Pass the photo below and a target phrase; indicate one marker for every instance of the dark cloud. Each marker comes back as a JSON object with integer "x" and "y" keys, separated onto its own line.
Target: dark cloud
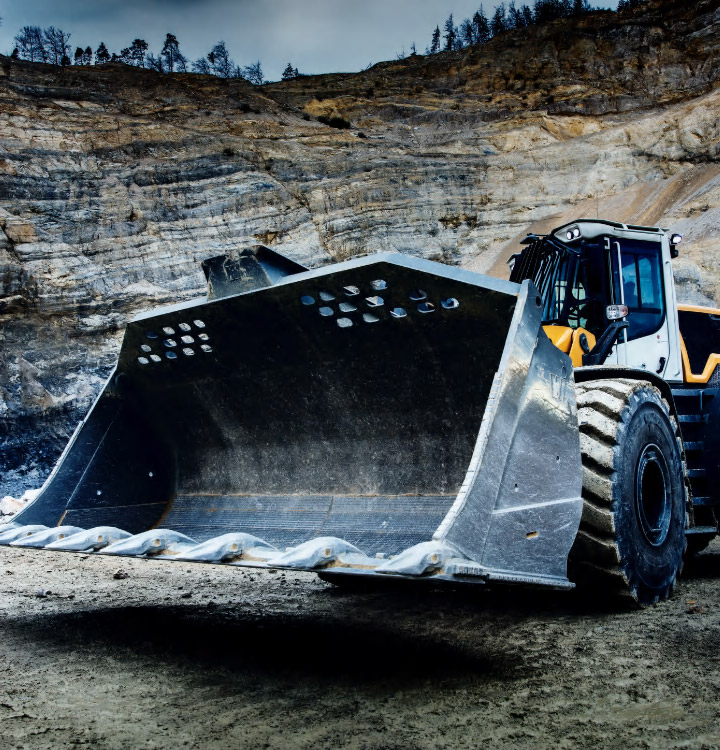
{"x": 317, "y": 36}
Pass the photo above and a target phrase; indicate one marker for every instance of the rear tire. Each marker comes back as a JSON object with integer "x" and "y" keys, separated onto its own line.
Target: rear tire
{"x": 632, "y": 534}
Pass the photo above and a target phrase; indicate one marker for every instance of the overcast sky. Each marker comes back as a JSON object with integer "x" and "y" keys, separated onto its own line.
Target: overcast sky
{"x": 316, "y": 36}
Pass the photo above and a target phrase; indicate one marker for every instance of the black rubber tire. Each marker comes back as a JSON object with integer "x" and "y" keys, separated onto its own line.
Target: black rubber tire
{"x": 632, "y": 534}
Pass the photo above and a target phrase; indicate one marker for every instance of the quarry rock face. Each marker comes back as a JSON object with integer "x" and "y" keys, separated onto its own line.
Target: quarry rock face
{"x": 115, "y": 182}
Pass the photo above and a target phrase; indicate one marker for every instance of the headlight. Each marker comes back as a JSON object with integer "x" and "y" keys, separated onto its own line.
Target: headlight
{"x": 675, "y": 239}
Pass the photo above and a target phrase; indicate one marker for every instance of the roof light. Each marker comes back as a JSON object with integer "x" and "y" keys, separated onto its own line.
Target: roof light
{"x": 573, "y": 233}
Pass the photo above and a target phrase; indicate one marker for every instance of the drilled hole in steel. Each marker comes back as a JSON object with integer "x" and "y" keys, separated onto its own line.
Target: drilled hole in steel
{"x": 206, "y": 347}
{"x": 326, "y": 296}
{"x": 188, "y": 352}
{"x": 344, "y": 322}
{"x": 155, "y": 358}
{"x": 203, "y": 336}
{"x": 146, "y": 348}
{"x": 326, "y": 312}
{"x": 184, "y": 327}
{"x": 151, "y": 334}
{"x": 375, "y": 301}
{"x": 170, "y": 343}
{"x": 351, "y": 291}
{"x": 450, "y": 303}
{"x": 169, "y": 331}
{"x": 378, "y": 285}
{"x": 143, "y": 360}
{"x": 171, "y": 355}
{"x": 307, "y": 300}
{"x": 418, "y": 295}
{"x": 426, "y": 307}
{"x": 369, "y": 318}
{"x": 199, "y": 324}
{"x": 398, "y": 312}
{"x": 346, "y": 307}
{"x": 187, "y": 339}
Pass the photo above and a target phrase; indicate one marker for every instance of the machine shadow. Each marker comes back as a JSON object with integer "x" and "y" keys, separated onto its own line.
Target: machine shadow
{"x": 305, "y": 647}
{"x": 703, "y": 565}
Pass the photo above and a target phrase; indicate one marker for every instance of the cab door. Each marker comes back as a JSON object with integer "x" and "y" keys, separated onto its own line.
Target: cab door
{"x": 636, "y": 268}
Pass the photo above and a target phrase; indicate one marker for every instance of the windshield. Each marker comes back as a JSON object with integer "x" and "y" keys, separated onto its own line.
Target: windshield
{"x": 570, "y": 282}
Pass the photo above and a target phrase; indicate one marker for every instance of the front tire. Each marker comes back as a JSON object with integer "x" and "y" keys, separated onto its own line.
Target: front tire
{"x": 632, "y": 534}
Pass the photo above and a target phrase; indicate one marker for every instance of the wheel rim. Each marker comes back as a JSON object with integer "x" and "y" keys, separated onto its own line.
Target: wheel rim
{"x": 653, "y": 502}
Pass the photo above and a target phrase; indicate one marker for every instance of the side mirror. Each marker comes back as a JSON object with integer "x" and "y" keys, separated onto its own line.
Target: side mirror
{"x": 616, "y": 312}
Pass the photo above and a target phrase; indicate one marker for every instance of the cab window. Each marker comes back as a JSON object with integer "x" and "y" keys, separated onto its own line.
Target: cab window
{"x": 641, "y": 289}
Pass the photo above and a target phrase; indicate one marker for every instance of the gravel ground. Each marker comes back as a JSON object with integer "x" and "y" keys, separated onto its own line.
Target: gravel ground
{"x": 177, "y": 654}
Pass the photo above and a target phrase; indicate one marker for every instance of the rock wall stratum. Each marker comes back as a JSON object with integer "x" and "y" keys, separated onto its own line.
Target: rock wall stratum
{"x": 116, "y": 182}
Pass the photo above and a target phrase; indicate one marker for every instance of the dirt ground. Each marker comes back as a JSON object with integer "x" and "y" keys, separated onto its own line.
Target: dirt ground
{"x": 187, "y": 655}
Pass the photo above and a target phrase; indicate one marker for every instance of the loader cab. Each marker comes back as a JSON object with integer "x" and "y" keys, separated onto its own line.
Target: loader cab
{"x": 607, "y": 293}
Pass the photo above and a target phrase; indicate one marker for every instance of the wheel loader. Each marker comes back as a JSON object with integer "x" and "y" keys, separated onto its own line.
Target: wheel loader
{"x": 393, "y": 418}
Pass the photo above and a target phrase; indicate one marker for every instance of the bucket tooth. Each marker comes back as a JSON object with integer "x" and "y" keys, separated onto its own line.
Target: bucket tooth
{"x": 151, "y": 543}
{"x": 46, "y": 536}
{"x": 421, "y": 559}
{"x": 92, "y": 539}
{"x": 315, "y": 553}
{"x": 227, "y": 548}
{"x": 9, "y": 536}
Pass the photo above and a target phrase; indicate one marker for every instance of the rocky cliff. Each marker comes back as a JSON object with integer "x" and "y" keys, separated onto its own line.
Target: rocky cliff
{"x": 116, "y": 182}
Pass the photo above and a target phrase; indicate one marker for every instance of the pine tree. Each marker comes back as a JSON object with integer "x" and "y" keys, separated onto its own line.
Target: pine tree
{"x": 467, "y": 33}
{"x": 79, "y": 54}
{"x": 547, "y": 10}
{"x": 499, "y": 21}
{"x": 153, "y": 62}
{"x": 450, "y": 33}
{"x": 515, "y": 17}
{"x": 202, "y": 66}
{"x": 253, "y": 73}
{"x": 102, "y": 55}
{"x": 87, "y": 55}
{"x": 288, "y": 73}
{"x": 136, "y": 52}
{"x": 171, "y": 55}
{"x": 220, "y": 62}
{"x": 482, "y": 27}
{"x": 435, "y": 43}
